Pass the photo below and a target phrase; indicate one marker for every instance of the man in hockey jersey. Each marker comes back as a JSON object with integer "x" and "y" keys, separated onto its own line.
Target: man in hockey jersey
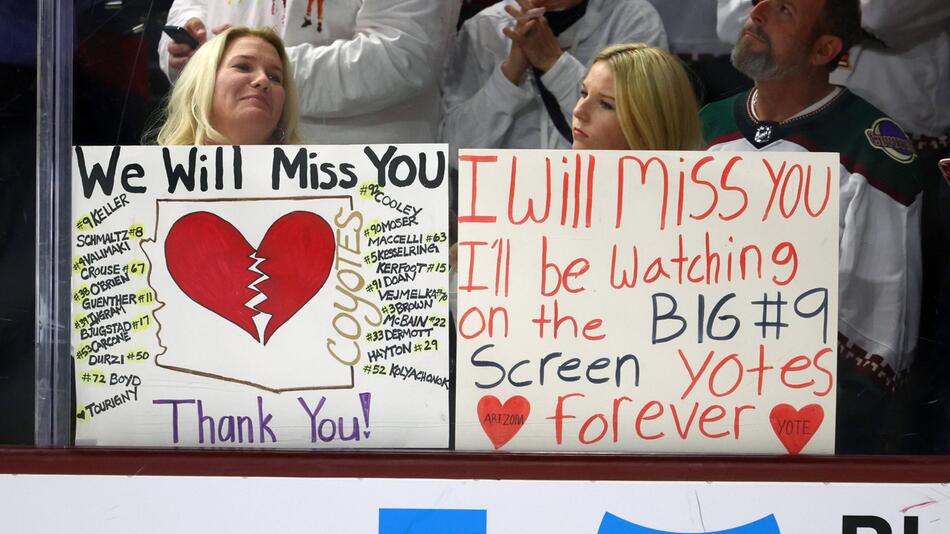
{"x": 788, "y": 48}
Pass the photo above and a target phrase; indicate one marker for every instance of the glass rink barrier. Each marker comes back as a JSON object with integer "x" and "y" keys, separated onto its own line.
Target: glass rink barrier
{"x": 467, "y": 261}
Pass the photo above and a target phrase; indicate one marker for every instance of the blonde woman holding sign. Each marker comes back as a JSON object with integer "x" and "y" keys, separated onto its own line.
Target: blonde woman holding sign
{"x": 236, "y": 89}
{"x": 636, "y": 97}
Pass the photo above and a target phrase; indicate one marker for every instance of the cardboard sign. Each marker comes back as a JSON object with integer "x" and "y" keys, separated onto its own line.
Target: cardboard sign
{"x": 261, "y": 296}
{"x": 649, "y": 302}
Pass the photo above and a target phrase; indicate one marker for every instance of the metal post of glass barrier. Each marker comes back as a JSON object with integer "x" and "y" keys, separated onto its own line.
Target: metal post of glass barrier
{"x": 54, "y": 137}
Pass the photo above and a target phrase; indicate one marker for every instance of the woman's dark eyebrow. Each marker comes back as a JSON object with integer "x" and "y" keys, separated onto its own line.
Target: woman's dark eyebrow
{"x": 275, "y": 66}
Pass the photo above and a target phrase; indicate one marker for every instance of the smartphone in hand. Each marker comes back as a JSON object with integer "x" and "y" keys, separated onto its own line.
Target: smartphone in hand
{"x": 181, "y": 36}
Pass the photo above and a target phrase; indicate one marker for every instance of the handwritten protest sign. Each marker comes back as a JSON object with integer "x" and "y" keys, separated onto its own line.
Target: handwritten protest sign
{"x": 261, "y": 296}
{"x": 653, "y": 302}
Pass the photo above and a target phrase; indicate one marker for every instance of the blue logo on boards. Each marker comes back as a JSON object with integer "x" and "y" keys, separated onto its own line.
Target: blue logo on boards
{"x": 612, "y": 524}
{"x": 435, "y": 521}
{"x": 431, "y": 521}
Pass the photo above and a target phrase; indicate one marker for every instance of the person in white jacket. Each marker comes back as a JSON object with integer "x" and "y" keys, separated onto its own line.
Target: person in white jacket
{"x": 367, "y": 70}
{"x": 484, "y": 108}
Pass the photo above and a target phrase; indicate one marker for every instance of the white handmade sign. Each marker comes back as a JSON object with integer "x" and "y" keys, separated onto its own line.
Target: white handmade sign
{"x": 652, "y": 302}
{"x": 261, "y": 296}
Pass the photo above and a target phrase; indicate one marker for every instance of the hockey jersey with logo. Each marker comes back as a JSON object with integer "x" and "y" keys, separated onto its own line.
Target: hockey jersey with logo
{"x": 879, "y": 219}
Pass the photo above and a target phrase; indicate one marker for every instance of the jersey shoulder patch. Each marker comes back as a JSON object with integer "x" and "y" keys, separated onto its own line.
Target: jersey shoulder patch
{"x": 870, "y": 143}
{"x": 888, "y": 137}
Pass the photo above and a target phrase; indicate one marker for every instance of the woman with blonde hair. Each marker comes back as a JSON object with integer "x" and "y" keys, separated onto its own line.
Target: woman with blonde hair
{"x": 236, "y": 89}
{"x": 637, "y": 97}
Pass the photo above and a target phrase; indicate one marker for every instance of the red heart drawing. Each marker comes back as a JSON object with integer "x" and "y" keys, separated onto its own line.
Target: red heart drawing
{"x": 795, "y": 428}
{"x": 502, "y": 421}
{"x": 210, "y": 261}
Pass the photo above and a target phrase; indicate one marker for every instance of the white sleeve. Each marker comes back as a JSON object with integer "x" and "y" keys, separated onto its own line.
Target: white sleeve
{"x": 178, "y": 15}
{"x": 564, "y": 79}
{"x": 730, "y": 16}
{"x": 478, "y": 101}
{"x": 643, "y": 26}
{"x": 900, "y": 23}
{"x": 879, "y": 274}
{"x": 396, "y": 50}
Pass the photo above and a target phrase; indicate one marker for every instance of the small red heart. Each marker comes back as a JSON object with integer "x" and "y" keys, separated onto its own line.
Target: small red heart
{"x": 795, "y": 428}
{"x": 502, "y": 421}
{"x": 210, "y": 261}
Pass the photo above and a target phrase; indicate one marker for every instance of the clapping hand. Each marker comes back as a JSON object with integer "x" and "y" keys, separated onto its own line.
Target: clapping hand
{"x": 532, "y": 36}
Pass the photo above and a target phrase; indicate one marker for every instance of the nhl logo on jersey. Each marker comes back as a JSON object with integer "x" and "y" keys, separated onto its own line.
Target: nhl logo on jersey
{"x": 887, "y": 136}
{"x": 763, "y": 134}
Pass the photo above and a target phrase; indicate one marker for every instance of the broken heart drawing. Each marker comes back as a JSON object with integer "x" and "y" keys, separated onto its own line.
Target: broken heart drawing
{"x": 215, "y": 266}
